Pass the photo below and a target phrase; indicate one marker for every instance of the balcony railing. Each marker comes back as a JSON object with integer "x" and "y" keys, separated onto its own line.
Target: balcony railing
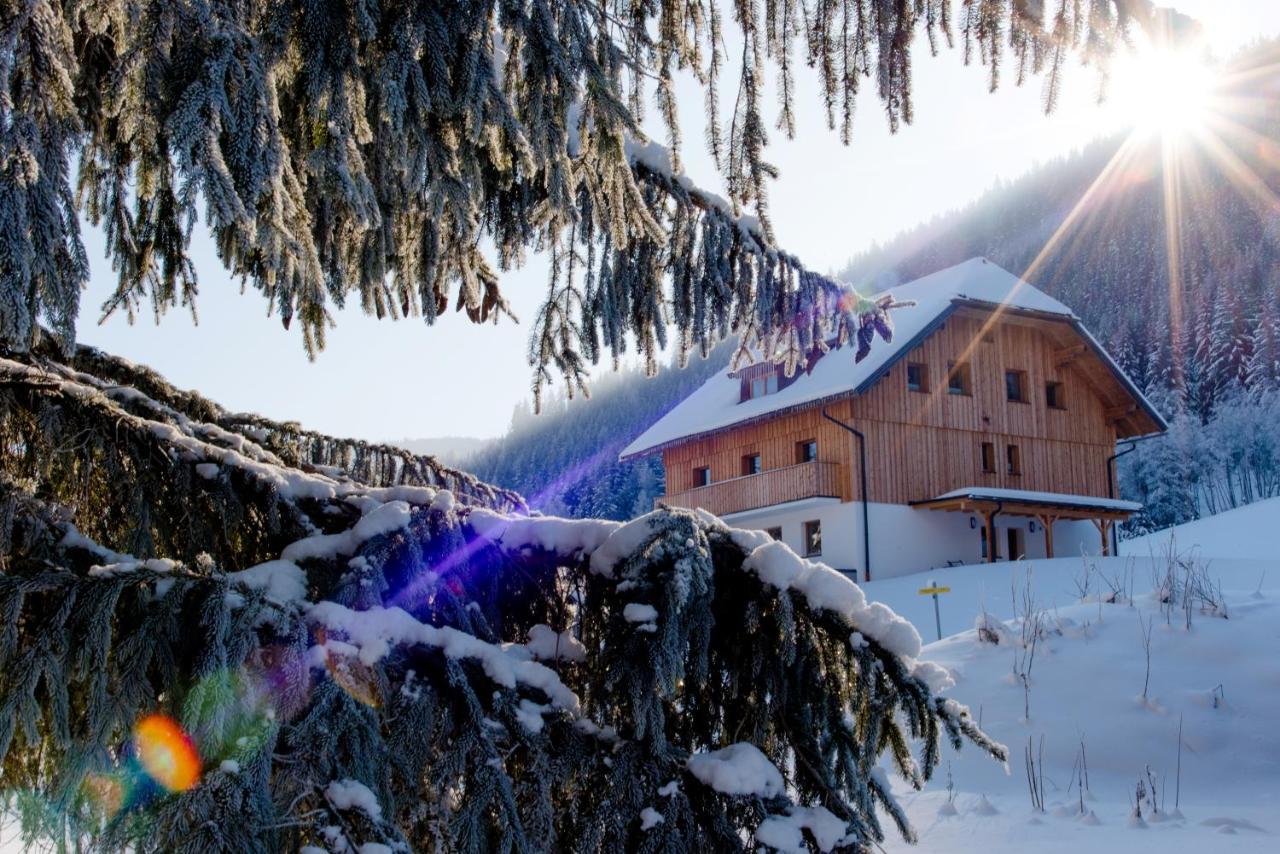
{"x": 775, "y": 486}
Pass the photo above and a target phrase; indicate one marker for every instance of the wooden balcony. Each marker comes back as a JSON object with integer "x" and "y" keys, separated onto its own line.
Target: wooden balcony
{"x": 775, "y": 486}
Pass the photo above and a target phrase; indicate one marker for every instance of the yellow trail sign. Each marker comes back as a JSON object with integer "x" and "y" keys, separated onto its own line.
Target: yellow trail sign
{"x": 933, "y": 590}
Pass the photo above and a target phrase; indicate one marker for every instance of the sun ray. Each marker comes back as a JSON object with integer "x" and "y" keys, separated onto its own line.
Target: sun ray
{"x": 1090, "y": 204}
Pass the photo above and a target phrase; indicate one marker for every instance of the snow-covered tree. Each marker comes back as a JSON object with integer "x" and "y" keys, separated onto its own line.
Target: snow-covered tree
{"x": 220, "y": 633}
{"x": 1262, "y": 373}
{"x": 367, "y": 150}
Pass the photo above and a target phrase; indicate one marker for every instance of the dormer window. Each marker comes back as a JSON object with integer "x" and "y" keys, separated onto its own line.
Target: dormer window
{"x": 760, "y": 386}
{"x": 757, "y": 381}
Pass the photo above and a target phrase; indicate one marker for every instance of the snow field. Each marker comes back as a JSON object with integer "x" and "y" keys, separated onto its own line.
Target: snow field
{"x": 1220, "y": 680}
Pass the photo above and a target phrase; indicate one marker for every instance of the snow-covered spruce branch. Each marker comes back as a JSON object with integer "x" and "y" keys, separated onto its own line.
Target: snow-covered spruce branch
{"x": 488, "y": 678}
{"x": 346, "y": 151}
{"x": 139, "y": 388}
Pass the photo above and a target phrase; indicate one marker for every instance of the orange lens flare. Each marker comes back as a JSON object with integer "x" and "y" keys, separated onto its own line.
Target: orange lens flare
{"x": 167, "y": 753}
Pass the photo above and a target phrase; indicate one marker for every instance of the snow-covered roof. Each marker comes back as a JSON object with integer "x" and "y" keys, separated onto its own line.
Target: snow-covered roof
{"x": 715, "y": 405}
{"x": 1027, "y": 496}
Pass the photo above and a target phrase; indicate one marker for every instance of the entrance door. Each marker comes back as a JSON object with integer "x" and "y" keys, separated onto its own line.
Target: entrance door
{"x": 1015, "y": 544}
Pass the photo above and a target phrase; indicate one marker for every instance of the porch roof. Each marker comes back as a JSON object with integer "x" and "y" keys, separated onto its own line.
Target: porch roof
{"x": 1022, "y": 502}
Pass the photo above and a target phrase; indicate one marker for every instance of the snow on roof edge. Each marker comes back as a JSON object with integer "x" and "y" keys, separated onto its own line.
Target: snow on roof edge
{"x": 1066, "y": 499}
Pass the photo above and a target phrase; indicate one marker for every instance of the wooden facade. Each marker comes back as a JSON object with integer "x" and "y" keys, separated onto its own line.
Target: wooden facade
{"x": 921, "y": 444}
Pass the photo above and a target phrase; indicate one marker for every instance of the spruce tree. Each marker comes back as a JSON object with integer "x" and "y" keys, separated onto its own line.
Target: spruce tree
{"x": 221, "y": 633}
{"x": 353, "y": 150}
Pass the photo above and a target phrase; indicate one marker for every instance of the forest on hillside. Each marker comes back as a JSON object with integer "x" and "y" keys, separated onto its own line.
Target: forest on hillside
{"x": 1198, "y": 329}
{"x": 565, "y": 459}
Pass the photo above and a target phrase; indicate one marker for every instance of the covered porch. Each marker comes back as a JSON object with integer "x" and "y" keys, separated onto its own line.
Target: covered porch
{"x": 1046, "y": 508}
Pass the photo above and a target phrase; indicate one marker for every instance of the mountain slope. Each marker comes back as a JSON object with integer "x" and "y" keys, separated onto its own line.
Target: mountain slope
{"x": 565, "y": 460}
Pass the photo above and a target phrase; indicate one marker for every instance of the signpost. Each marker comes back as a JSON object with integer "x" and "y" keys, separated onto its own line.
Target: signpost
{"x": 933, "y": 590}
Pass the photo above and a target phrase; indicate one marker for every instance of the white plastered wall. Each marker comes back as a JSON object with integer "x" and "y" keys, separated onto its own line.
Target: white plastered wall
{"x": 906, "y": 539}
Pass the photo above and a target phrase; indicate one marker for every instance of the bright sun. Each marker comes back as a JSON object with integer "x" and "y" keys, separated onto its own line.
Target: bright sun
{"x": 1163, "y": 91}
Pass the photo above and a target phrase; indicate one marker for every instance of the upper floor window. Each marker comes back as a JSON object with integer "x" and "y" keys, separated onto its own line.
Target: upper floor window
{"x": 1013, "y": 460}
{"x": 751, "y": 464}
{"x": 760, "y": 385}
{"x": 988, "y": 457}
{"x": 812, "y": 538}
{"x": 807, "y": 451}
{"x": 702, "y": 476}
{"x": 917, "y": 377}
{"x": 774, "y": 533}
{"x": 1055, "y": 396}
{"x": 1015, "y": 386}
{"x": 959, "y": 380}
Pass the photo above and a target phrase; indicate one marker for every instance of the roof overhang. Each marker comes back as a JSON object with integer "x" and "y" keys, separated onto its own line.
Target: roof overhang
{"x": 1017, "y": 502}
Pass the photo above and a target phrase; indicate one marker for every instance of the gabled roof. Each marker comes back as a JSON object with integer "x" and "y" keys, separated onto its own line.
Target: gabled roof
{"x": 977, "y": 283}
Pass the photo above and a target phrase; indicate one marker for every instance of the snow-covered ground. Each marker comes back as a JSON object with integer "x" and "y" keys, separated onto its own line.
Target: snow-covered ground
{"x": 1221, "y": 679}
{"x": 1246, "y": 532}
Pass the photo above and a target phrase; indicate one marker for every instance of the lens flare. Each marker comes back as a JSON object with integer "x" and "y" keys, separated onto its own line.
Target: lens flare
{"x": 166, "y": 753}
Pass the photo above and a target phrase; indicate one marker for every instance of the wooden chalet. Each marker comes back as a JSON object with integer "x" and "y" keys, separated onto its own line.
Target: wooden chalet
{"x": 986, "y": 430}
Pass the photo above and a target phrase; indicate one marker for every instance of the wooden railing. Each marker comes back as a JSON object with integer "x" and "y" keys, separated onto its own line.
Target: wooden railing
{"x": 776, "y": 486}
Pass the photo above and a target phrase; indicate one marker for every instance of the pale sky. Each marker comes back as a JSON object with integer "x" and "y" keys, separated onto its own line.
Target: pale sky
{"x": 386, "y": 380}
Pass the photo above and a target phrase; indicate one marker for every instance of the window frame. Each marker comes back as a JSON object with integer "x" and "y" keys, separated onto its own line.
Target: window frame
{"x": 987, "y": 457}
{"x": 1013, "y": 460}
{"x": 701, "y": 476}
{"x": 801, "y": 451}
{"x": 748, "y": 469}
{"x": 807, "y": 531}
{"x": 1020, "y": 377}
{"x": 962, "y": 372}
{"x": 922, "y": 387}
{"x": 1056, "y": 399}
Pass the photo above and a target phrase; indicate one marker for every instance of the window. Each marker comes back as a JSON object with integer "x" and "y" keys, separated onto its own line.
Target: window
{"x": 775, "y": 533}
{"x": 806, "y": 451}
{"x": 917, "y": 377}
{"x": 1013, "y": 460}
{"x": 988, "y": 457}
{"x": 958, "y": 379}
{"x": 768, "y": 384}
{"x": 702, "y": 476}
{"x": 984, "y": 542}
{"x": 1054, "y": 397}
{"x": 751, "y": 464}
{"x": 1015, "y": 386}
{"x": 812, "y": 538}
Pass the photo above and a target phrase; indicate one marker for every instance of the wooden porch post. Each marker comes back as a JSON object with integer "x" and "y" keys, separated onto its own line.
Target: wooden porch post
{"x": 1047, "y": 522}
{"x": 991, "y": 535}
{"x": 1104, "y": 527}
